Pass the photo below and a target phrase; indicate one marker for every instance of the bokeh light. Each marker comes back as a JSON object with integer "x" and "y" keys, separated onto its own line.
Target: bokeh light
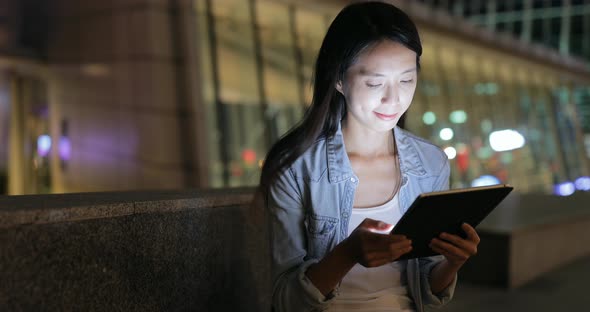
{"x": 429, "y": 118}
{"x": 451, "y": 152}
{"x": 446, "y": 134}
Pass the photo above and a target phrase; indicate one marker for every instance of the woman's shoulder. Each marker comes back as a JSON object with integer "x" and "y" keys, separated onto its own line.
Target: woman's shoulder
{"x": 419, "y": 141}
{"x": 313, "y": 162}
{"x": 421, "y": 151}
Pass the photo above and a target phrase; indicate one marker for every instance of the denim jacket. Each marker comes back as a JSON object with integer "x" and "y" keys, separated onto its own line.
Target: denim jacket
{"x": 310, "y": 205}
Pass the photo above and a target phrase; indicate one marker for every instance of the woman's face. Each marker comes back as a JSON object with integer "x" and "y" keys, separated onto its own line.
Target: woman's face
{"x": 379, "y": 86}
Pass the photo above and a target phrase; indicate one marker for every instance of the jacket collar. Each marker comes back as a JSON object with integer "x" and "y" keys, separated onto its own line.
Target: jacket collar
{"x": 339, "y": 168}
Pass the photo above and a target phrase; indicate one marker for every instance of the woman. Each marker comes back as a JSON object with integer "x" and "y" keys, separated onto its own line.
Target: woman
{"x": 336, "y": 184}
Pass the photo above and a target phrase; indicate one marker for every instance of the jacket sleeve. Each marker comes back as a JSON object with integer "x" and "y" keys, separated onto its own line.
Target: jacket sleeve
{"x": 428, "y": 297}
{"x": 292, "y": 290}
{"x": 427, "y": 264}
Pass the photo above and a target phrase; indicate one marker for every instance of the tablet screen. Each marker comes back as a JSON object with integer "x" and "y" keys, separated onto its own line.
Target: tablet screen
{"x": 433, "y": 213}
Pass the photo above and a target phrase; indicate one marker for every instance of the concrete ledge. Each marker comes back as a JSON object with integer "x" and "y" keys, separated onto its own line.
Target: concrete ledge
{"x": 527, "y": 236}
{"x": 42, "y": 209}
{"x": 155, "y": 251}
{"x": 542, "y": 249}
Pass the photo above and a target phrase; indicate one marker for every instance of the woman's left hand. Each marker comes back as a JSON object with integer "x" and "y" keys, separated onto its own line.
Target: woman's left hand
{"x": 455, "y": 248}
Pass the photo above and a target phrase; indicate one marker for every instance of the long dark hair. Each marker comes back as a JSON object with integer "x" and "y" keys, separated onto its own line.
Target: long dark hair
{"x": 357, "y": 27}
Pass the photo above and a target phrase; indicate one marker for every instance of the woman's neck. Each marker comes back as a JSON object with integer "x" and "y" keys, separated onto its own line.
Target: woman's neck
{"x": 366, "y": 143}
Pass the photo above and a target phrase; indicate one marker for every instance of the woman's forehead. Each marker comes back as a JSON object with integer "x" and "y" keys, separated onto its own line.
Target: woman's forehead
{"x": 384, "y": 57}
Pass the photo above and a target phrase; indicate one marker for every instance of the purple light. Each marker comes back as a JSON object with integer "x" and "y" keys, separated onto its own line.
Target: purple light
{"x": 43, "y": 145}
{"x": 583, "y": 183}
{"x": 65, "y": 148}
{"x": 564, "y": 189}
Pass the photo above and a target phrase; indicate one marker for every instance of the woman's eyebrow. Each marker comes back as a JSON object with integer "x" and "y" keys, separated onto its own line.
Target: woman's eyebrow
{"x": 366, "y": 72}
{"x": 410, "y": 70}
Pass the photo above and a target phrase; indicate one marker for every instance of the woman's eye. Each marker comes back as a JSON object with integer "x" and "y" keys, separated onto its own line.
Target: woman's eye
{"x": 371, "y": 85}
{"x": 408, "y": 81}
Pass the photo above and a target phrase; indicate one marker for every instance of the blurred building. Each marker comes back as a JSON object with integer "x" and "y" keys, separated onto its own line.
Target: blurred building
{"x": 561, "y": 25}
{"x": 158, "y": 94}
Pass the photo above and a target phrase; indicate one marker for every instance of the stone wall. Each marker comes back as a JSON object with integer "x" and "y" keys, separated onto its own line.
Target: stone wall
{"x": 158, "y": 251}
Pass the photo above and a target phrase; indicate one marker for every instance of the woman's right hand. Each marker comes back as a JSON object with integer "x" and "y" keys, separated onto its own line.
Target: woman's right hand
{"x": 368, "y": 247}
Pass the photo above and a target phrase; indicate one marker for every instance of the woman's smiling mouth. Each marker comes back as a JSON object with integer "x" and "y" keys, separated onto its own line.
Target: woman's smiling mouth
{"x": 385, "y": 117}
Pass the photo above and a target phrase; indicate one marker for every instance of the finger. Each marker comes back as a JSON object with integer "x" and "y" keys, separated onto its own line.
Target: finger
{"x": 442, "y": 252}
{"x": 391, "y": 252}
{"x": 450, "y": 248}
{"x": 375, "y": 259}
{"x": 398, "y": 252}
{"x": 448, "y": 255}
{"x": 457, "y": 250}
{"x": 471, "y": 233}
{"x": 439, "y": 250}
{"x": 467, "y": 245}
{"x": 379, "y": 242}
{"x": 373, "y": 224}
{"x": 387, "y": 238}
{"x": 400, "y": 245}
{"x": 458, "y": 241}
{"x": 398, "y": 238}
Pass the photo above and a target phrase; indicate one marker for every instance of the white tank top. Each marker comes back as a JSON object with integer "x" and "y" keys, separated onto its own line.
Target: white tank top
{"x": 375, "y": 289}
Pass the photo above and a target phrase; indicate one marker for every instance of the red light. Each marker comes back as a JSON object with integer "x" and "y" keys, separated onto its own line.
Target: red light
{"x": 462, "y": 158}
{"x": 249, "y": 157}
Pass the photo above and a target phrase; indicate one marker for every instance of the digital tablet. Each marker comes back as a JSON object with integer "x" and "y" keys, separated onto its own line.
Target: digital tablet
{"x": 445, "y": 211}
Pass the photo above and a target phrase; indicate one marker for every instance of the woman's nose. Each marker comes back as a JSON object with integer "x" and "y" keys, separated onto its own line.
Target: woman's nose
{"x": 391, "y": 96}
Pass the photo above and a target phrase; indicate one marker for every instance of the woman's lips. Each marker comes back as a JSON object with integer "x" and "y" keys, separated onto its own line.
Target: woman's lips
{"x": 386, "y": 117}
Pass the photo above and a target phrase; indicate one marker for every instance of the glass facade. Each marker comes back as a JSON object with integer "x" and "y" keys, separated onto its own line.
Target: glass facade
{"x": 258, "y": 57}
{"x": 4, "y": 131}
{"x": 24, "y": 135}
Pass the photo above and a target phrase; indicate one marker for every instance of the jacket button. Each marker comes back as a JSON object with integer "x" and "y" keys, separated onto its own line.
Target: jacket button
{"x": 352, "y": 179}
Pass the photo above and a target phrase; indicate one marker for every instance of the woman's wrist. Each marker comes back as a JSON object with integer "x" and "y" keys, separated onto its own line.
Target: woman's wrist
{"x": 452, "y": 267}
{"x": 328, "y": 272}
{"x": 442, "y": 275}
{"x": 347, "y": 251}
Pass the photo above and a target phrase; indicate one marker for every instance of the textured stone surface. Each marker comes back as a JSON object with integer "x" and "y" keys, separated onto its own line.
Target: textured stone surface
{"x": 38, "y": 209}
{"x": 205, "y": 258}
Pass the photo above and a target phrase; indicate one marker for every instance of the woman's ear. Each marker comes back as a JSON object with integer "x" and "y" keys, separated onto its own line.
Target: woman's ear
{"x": 339, "y": 87}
